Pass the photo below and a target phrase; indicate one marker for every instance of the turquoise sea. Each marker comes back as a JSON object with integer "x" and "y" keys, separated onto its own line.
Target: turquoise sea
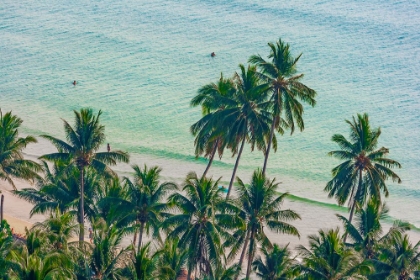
{"x": 141, "y": 62}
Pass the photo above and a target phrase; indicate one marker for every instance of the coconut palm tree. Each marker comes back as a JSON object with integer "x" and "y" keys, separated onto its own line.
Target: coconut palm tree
{"x": 287, "y": 90}
{"x": 107, "y": 251}
{"x": 200, "y": 224}
{"x": 145, "y": 200}
{"x": 84, "y": 140}
{"x": 208, "y": 131}
{"x": 260, "y": 207}
{"x": 367, "y": 231}
{"x": 278, "y": 264}
{"x": 400, "y": 259}
{"x": 6, "y": 247}
{"x": 171, "y": 260}
{"x": 365, "y": 168}
{"x": 60, "y": 189}
{"x": 328, "y": 258}
{"x": 12, "y": 163}
{"x": 248, "y": 120}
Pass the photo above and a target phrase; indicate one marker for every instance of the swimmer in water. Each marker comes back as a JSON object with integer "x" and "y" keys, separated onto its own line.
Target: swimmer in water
{"x": 74, "y": 82}
{"x": 212, "y": 54}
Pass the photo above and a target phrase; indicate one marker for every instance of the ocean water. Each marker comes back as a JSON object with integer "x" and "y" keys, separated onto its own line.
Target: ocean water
{"x": 141, "y": 62}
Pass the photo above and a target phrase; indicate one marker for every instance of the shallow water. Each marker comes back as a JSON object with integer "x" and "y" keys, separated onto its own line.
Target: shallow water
{"x": 141, "y": 62}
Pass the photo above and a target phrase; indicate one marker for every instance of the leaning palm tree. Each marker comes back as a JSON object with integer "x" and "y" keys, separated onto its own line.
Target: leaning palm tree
{"x": 84, "y": 140}
{"x": 260, "y": 207}
{"x": 208, "y": 131}
{"x": 145, "y": 200}
{"x": 248, "y": 119}
{"x": 278, "y": 264}
{"x": 12, "y": 163}
{"x": 287, "y": 90}
{"x": 200, "y": 224}
{"x": 366, "y": 233}
{"x": 365, "y": 168}
{"x": 328, "y": 258}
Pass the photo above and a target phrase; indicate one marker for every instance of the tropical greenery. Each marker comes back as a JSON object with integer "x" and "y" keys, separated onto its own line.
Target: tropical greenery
{"x": 144, "y": 226}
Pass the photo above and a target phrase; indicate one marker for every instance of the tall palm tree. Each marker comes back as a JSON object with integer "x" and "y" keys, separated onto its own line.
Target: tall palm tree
{"x": 200, "y": 224}
{"x": 84, "y": 140}
{"x": 208, "y": 131}
{"x": 365, "y": 168}
{"x": 400, "y": 259}
{"x": 328, "y": 258}
{"x": 287, "y": 90}
{"x": 12, "y": 163}
{"x": 145, "y": 200}
{"x": 248, "y": 120}
{"x": 260, "y": 205}
{"x": 278, "y": 265}
{"x": 366, "y": 232}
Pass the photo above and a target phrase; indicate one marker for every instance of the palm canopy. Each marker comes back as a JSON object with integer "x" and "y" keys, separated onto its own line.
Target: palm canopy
{"x": 144, "y": 202}
{"x": 208, "y": 131}
{"x": 260, "y": 207}
{"x": 366, "y": 232}
{"x": 328, "y": 258}
{"x": 279, "y": 73}
{"x": 83, "y": 142}
{"x": 200, "y": 223}
{"x": 365, "y": 169}
{"x": 278, "y": 264}
{"x": 12, "y": 163}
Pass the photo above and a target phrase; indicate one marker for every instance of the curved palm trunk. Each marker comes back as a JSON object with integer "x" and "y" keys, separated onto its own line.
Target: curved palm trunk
{"x": 250, "y": 255}
{"x": 267, "y": 152}
{"x": 211, "y": 158}
{"x": 235, "y": 168}
{"x": 241, "y": 259}
{"x": 82, "y": 208}
{"x": 354, "y": 204}
{"x": 140, "y": 236}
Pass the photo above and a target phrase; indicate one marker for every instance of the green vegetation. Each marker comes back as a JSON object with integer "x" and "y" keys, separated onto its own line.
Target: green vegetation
{"x": 197, "y": 230}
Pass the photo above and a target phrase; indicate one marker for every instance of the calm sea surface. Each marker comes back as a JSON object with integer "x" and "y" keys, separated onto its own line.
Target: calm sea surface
{"x": 141, "y": 62}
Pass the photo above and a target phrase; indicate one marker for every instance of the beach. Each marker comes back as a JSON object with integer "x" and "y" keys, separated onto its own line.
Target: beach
{"x": 142, "y": 63}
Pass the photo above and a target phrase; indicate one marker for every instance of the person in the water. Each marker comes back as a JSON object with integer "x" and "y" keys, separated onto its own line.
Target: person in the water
{"x": 212, "y": 54}
{"x": 74, "y": 82}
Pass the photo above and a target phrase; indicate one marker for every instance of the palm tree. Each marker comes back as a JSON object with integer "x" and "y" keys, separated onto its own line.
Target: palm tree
{"x": 208, "y": 131}
{"x": 6, "y": 247}
{"x": 248, "y": 119}
{"x": 144, "y": 202}
{"x": 200, "y": 224}
{"x": 328, "y": 258}
{"x": 365, "y": 168}
{"x": 279, "y": 72}
{"x": 12, "y": 163}
{"x": 107, "y": 251}
{"x": 366, "y": 233}
{"x": 400, "y": 259}
{"x": 145, "y": 263}
{"x": 171, "y": 260}
{"x": 278, "y": 264}
{"x": 60, "y": 189}
{"x": 84, "y": 140}
{"x": 260, "y": 205}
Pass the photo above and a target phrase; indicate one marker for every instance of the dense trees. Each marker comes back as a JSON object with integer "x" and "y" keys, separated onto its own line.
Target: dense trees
{"x": 198, "y": 231}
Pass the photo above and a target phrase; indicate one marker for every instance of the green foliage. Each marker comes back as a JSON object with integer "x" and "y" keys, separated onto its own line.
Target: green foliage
{"x": 12, "y": 162}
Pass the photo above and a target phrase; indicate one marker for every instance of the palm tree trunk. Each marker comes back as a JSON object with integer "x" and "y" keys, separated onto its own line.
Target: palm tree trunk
{"x": 241, "y": 259}
{"x": 250, "y": 255}
{"x": 211, "y": 158}
{"x": 82, "y": 208}
{"x": 140, "y": 236}
{"x": 235, "y": 168}
{"x": 267, "y": 152}
{"x": 135, "y": 235}
{"x": 1, "y": 208}
{"x": 354, "y": 204}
